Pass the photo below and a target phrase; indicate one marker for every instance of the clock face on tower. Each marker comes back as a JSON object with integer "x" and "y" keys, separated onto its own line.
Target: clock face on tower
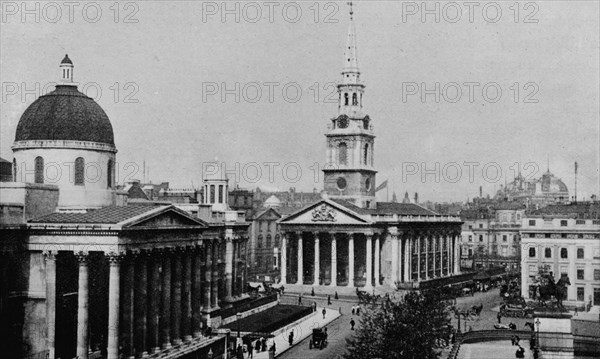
{"x": 341, "y": 183}
{"x": 343, "y": 123}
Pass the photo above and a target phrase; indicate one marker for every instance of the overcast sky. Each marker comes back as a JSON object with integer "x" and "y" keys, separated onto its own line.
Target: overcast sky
{"x": 171, "y": 62}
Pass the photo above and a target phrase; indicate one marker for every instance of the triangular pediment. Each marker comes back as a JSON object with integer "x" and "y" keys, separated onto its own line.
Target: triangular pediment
{"x": 325, "y": 212}
{"x": 268, "y": 215}
{"x": 165, "y": 217}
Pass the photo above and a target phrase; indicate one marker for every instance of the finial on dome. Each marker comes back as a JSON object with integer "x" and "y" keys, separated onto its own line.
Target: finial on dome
{"x": 66, "y": 71}
{"x": 351, "y": 10}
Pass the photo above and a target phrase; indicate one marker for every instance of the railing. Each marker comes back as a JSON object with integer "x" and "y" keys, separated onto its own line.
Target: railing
{"x": 228, "y": 312}
{"x": 479, "y": 336}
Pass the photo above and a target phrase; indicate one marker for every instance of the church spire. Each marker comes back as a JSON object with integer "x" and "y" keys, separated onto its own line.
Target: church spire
{"x": 350, "y": 55}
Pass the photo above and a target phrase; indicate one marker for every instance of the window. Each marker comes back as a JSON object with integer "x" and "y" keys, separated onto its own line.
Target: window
{"x": 532, "y": 222}
{"x": 79, "y": 171}
{"x": 39, "y": 170}
{"x": 580, "y": 294}
{"x": 366, "y": 154}
{"x": 563, "y": 223}
{"x": 548, "y": 252}
{"x": 596, "y": 274}
{"x": 212, "y": 193}
{"x": 354, "y": 99}
{"x": 504, "y": 238}
{"x": 531, "y": 252}
{"x": 580, "y": 274}
{"x": 480, "y": 225}
{"x": 563, "y": 235}
{"x": 109, "y": 174}
{"x": 346, "y": 99}
{"x": 580, "y": 253}
{"x": 547, "y": 235}
{"x": 221, "y": 193}
{"x": 342, "y": 148}
{"x": 470, "y": 252}
{"x": 14, "y": 170}
{"x": 269, "y": 241}
{"x": 564, "y": 253}
{"x": 481, "y": 238}
{"x": 470, "y": 238}
{"x": 470, "y": 226}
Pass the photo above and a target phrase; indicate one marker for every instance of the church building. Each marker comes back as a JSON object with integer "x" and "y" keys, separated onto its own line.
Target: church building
{"x": 348, "y": 239}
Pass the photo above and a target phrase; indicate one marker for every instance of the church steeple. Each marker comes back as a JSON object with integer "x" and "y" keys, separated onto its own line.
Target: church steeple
{"x": 350, "y": 174}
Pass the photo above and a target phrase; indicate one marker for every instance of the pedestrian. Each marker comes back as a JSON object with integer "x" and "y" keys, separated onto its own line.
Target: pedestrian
{"x": 324, "y": 312}
{"x": 352, "y": 323}
{"x": 282, "y": 289}
{"x": 250, "y": 349}
{"x": 239, "y": 353}
{"x": 499, "y": 316}
{"x": 512, "y": 340}
{"x": 358, "y": 310}
{"x": 336, "y": 296}
{"x": 312, "y": 292}
{"x": 517, "y": 340}
{"x": 299, "y": 299}
{"x": 263, "y": 343}
{"x": 314, "y": 306}
{"x": 291, "y": 338}
{"x": 353, "y": 309}
{"x": 257, "y": 345}
{"x": 328, "y": 300}
{"x": 576, "y": 311}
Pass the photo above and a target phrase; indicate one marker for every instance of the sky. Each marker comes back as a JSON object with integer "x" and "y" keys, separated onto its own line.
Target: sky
{"x": 460, "y": 94}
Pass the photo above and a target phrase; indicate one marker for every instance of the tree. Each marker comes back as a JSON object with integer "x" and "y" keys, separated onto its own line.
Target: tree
{"x": 412, "y": 328}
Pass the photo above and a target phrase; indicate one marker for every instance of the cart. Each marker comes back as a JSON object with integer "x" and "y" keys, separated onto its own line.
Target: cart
{"x": 318, "y": 340}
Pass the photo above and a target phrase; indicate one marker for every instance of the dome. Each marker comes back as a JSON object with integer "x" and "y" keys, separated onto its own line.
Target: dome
{"x": 552, "y": 184}
{"x": 65, "y": 114}
{"x": 273, "y": 201}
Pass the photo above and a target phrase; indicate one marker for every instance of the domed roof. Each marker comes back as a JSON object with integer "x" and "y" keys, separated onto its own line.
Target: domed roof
{"x": 65, "y": 114}
{"x": 273, "y": 201}
{"x": 552, "y": 184}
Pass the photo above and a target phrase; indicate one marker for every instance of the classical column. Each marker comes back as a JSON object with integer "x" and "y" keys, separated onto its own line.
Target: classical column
{"x": 50, "y": 257}
{"x": 369, "y": 262}
{"x": 333, "y": 260}
{"x": 419, "y": 257}
{"x": 82, "y": 307}
{"x": 300, "y": 259}
{"x": 141, "y": 289}
{"x": 351, "y": 260}
{"x": 456, "y": 256}
{"x": 394, "y": 254}
{"x": 197, "y": 293}
{"x": 207, "y": 275}
{"x": 112, "y": 348}
{"x": 228, "y": 267}
{"x": 186, "y": 297}
{"x": 176, "y": 278}
{"x": 316, "y": 269}
{"x": 165, "y": 304}
{"x": 283, "y": 264}
{"x": 377, "y": 262}
{"x": 214, "y": 295}
{"x": 128, "y": 305}
{"x": 406, "y": 278}
{"x": 154, "y": 303}
{"x": 426, "y": 257}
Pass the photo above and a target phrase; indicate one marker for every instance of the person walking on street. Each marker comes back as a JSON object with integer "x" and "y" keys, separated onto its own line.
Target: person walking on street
{"x": 499, "y": 316}
{"x": 517, "y": 339}
{"x": 328, "y": 300}
{"x": 324, "y": 312}
{"x": 353, "y": 309}
{"x": 358, "y": 310}
{"x": 512, "y": 340}
{"x": 291, "y": 338}
{"x": 299, "y": 299}
{"x": 352, "y": 323}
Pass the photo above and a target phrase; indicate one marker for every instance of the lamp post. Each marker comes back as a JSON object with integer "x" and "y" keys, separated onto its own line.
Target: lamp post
{"x": 537, "y": 340}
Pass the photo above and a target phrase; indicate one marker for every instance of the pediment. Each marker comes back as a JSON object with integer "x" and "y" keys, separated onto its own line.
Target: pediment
{"x": 167, "y": 217}
{"x": 325, "y": 213}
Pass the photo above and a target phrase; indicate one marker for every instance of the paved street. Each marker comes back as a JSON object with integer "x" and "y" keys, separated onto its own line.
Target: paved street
{"x": 338, "y": 331}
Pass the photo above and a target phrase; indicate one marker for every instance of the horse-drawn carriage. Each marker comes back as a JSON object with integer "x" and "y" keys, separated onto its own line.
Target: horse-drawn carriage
{"x": 318, "y": 340}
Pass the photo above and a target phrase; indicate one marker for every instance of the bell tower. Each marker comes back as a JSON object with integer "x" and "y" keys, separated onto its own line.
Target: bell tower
{"x": 350, "y": 174}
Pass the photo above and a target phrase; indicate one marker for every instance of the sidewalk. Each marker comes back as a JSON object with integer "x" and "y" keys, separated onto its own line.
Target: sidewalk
{"x": 302, "y": 330}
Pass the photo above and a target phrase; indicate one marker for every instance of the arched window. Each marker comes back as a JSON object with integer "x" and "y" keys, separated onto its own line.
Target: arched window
{"x": 343, "y": 149}
{"x": 79, "y": 171}
{"x": 366, "y": 154}
{"x": 14, "y": 170}
{"x": 269, "y": 241}
{"x": 39, "y": 170}
{"x": 346, "y": 99}
{"x": 109, "y": 174}
{"x": 354, "y": 99}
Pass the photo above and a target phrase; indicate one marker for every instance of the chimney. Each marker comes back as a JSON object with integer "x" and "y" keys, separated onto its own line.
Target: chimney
{"x": 480, "y": 191}
{"x": 416, "y": 197}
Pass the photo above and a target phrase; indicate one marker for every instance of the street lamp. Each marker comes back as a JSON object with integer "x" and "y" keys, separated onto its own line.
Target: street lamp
{"x": 537, "y": 340}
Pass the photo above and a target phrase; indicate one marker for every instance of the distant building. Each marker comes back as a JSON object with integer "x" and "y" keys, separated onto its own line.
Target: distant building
{"x": 563, "y": 240}
{"x": 535, "y": 193}
{"x": 6, "y": 170}
{"x": 490, "y": 236}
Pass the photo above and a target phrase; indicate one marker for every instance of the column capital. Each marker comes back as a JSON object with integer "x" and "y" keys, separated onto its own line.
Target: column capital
{"x": 115, "y": 258}
{"x": 82, "y": 257}
{"x": 50, "y": 255}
